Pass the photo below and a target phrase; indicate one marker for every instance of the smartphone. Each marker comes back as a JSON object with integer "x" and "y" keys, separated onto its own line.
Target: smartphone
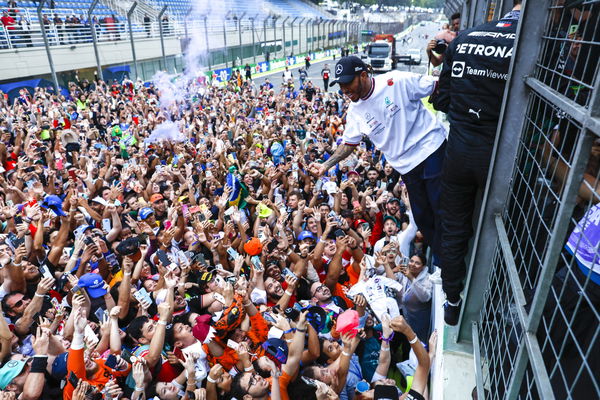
{"x": 18, "y": 219}
{"x": 73, "y": 379}
{"x": 99, "y": 313}
{"x": 14, "y": 241}
{"x": 55, "y": 303}
{"x": 111, "y": 361}
{"x": 142, "y": 296}
{"x": 272, "y": 245}
{"x": 255, "y": 260}
{"x": 365, "y": 226}
{"x": 232, "y": 344}
{"x": 194, "y": 209}
{"x": 269, "y": 318}
{"x": 106, "y": 225}
{"x": 286, "y": 271}
{"x": 168, "y": 225}
{"x": 72, "y": 174}
{"x": 90, "y": 335}
{"x": 356, "y": 204}
{"x": 163, "y": 258}
{"x": 126, "y": 355}
{"x": 218, "y": 297}
{"x": 229, "y": 211}
{"x": 232, "y": 253}
{"x": 339, "y": 233}
{"x": 45, "y": 271}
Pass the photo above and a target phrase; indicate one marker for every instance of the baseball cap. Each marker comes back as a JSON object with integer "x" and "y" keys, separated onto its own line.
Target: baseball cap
{"x": 10, "y": 371}
{"x": 54, "y": 203}
{"x": 393, "y": 199}
{"x": 206, "y": 277}
{"x": 264, "y": 211}
{"x": 353, "y": 172}
{"x": 145, "y": 213}
{"x": 306, "y": 235}
{"x": 93, "y": 283}
{"x": 385, "y": 392}
{"x": 390, "y": 217}
{"x": 276, "y": 349}
{"x": 347, "y": 68}
{"x": 156, "y": 197}
{"x": 129, "y": 247}
{"x": 202, "y": 329}
{"x": 253, "y": 246}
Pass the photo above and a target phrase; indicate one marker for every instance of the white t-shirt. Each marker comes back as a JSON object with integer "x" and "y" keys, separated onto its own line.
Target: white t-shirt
{"x": 396, "y": 121}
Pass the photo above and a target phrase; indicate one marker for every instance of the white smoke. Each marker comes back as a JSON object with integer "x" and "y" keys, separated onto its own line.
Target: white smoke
{"x": 177, "y": 91}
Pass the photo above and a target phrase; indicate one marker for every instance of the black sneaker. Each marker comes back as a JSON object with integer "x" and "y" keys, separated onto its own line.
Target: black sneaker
{"x": 451, "y": 313}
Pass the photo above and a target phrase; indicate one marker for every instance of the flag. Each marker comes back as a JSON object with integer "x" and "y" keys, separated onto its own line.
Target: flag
{"x": 239, "y": 191}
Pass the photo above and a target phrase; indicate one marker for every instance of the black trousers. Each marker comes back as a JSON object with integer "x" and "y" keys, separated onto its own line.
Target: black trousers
{"x": 465, "y": 170}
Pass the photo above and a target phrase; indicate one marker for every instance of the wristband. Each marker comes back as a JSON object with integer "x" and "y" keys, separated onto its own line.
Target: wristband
{"x": 16, "y": 264}
{"x": 248, "y": 369}
{"x": 211, "y": 380}
{"x": 386, "y": 348}
{"x": 346, "y": 354}
{"x": 39, "y": 363}
{"x": 289, "y": 293}
{"x": 126, "y": 273}
{"x": 388, "y": 339}
{"x": 415, "y": 340}
{"x": 289, "y": 331}
{"x": 39, "y": 295}
{"x": 354, "y": 248}
{"x": 162, "y": 322}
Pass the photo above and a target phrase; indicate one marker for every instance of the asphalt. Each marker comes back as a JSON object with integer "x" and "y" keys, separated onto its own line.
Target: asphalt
{"x": 415, "y": 40}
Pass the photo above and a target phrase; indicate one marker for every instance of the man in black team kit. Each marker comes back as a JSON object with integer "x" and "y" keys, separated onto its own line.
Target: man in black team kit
{"x": 471, "y": 87}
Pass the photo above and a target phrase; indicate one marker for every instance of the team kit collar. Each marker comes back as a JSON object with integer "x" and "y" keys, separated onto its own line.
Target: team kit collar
{"x": 370, "y": 91}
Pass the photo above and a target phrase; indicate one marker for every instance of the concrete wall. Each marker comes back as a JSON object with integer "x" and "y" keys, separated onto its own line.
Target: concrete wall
{"x": 24, "y": 62}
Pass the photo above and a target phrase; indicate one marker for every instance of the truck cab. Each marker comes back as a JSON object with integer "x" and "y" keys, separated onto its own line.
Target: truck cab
{"x": 381, "y": 53}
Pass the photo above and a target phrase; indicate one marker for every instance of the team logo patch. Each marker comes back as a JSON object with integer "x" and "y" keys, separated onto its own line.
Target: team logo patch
{"x": 503, "y": 24}
{"x": 390, "y": 82}
{"x": 339, "y": 69}
{"x": 458, "y": 69}
{"x": 387, "y": 101}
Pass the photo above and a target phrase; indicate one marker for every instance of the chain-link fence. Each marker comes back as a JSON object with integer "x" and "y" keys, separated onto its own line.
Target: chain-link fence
{"x": 536, "y": 331}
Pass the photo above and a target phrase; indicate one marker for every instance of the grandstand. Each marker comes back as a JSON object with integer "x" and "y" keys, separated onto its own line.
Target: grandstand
{"x": 292, "y": 8}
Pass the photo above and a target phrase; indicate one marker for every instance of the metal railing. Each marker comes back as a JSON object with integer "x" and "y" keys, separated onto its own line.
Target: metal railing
{"x": 535, "y": 307}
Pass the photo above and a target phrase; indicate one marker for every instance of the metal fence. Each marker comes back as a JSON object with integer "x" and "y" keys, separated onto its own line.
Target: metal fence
{"x": 533, "y": 312}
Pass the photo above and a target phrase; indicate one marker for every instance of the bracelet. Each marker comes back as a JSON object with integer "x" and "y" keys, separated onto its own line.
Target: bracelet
{"x": 415, "y": 340}
{"x": 386, "y": 348}
{"x": 16, "y": 264}
{"x": 39, "y": 295}
{"x": 346, "y": 354}
{"x": 126, "y": 273}
{"x": 211, "y": 380}
{"x": 354, "y": 248}
{"x": 301, "y": 330}
{"x": 248, "y": 369}
{"x": 388, "y": 339}
{"x": 137, "y": 389}
{"x": 162, "y": 322}
{"x": 289, "y": 293}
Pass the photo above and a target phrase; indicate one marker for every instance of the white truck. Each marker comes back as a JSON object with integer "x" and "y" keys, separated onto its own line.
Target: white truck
{"x": 381, "y": 53}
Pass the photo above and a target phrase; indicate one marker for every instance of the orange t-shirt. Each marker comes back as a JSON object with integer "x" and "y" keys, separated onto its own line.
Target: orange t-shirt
{"x": 76, "y": 364}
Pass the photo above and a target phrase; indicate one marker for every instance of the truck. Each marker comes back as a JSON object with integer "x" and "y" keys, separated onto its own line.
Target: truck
{"x": 381, "y": 53}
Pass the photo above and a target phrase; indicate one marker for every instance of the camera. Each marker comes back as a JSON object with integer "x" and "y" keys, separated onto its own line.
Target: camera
{"x": 440, "y": 46}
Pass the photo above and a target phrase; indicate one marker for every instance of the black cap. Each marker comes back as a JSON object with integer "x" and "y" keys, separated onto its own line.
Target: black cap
{"x": 347, "y": 68}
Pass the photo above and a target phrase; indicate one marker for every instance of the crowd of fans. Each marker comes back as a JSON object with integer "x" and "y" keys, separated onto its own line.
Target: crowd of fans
{"x": 212, "y": 267}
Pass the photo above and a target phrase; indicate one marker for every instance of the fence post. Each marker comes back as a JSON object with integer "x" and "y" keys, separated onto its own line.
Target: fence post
{"x": 253, "y": 40}
{"x": 129, "y": 14}
{"x": 208, "y": 57}
{"x": 226, "y": 50}
{"x": 240, "y": 37}
{"x": 48, "y": 53}
{"x": 292, "y": 28}
{"x": 94, "y": 39}
{"x": 162, "y": 36}
{"x": 283, "y": 36}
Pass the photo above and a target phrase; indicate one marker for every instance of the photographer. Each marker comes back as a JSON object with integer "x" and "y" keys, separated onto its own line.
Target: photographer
{"x": 438, "y": 45}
